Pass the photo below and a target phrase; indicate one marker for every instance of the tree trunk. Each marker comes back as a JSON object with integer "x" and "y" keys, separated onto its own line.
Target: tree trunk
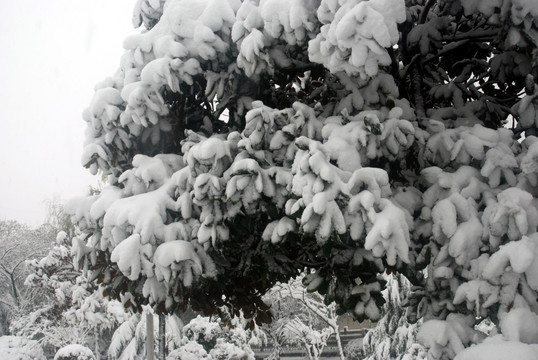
{"x": 150, "y": 341}
{"x": 308, "y": 350}
{"x": 15, "y": 291}
{"x": 339, "y": 343}
{"x": 277, "y": 351}
{"x": 162, "y": 337}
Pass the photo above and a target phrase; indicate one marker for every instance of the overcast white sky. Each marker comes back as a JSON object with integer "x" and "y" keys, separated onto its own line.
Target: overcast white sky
{"x": 52, "y": 53}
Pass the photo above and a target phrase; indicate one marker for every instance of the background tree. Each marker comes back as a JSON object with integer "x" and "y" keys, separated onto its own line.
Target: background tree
{"x": 58, "y": 218}
{"x": 243, "y": 141}
{"x": 18, "y": 243}
{"x": 70, "y": 309}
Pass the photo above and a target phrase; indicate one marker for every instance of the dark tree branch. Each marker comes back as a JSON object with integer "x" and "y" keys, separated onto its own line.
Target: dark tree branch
{"x": 484, "y": 35}
{"x": 416, "y": 78}
{"x": 424, "y": 15}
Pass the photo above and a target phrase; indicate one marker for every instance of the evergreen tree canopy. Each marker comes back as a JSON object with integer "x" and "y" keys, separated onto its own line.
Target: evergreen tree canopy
{"x": 244, "y": 141}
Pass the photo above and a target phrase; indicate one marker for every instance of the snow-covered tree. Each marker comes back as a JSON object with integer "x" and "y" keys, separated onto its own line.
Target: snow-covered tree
{"x": 242, "y": 141}
{"x": 54, "y": 278}
{"x": 402, "y": 340}
{"x": 72, "y": 309}
{"x": 129, "y": 339}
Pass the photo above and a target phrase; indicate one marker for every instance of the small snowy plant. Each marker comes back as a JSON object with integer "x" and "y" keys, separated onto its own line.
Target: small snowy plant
{"x": 301, "y": 317}
{"x": 244, "y": 141}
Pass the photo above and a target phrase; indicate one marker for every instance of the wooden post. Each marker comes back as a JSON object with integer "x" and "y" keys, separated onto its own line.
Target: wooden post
{"x": 162, "y": 337}
{"x": 97, "y": 350}
{"x": 150, "y": 341}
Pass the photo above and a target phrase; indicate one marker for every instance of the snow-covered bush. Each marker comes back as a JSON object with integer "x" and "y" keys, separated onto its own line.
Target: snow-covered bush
{"x": 203, "y": 331}
{"x": 74, "y": 352}
{"x": 228, "y": 351}
{"x": 223, "y": 340}
{"x": 20, "y": 348}
{"x": 244, "y": 141}
{"x": 189, "y": 351}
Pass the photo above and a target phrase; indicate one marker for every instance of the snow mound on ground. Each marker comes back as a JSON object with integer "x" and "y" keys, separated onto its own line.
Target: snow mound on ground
{"x": 74, "y": 351}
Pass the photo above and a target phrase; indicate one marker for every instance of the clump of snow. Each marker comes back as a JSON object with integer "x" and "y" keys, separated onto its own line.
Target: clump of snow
{"x": 519, "y": 255}
{"x": 61, "y": 237}
{"x": 389, "y": 234}
{"x": 132, "y": 257}
{"x": 348, "y": 42}
{"x": 499, "y": 350}
{"x": 521, "y": 325}
{"x": 448, "y": 337}
{"x": 184, "y": 257}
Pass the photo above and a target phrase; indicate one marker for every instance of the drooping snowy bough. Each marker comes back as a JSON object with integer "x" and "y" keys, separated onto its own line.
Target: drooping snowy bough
{"x": 243, "y": 141}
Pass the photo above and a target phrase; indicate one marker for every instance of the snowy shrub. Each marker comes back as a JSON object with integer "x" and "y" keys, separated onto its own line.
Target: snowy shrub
{"x": 222, "y": 339}
{"x": 353, "y": 350}
{"x": 19, "y": 348}
{"x": 227, "y": 351}
{"x": 74, "y": 352}
{"x": 189, "y": 351}
{"x": 203, "y": 331}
